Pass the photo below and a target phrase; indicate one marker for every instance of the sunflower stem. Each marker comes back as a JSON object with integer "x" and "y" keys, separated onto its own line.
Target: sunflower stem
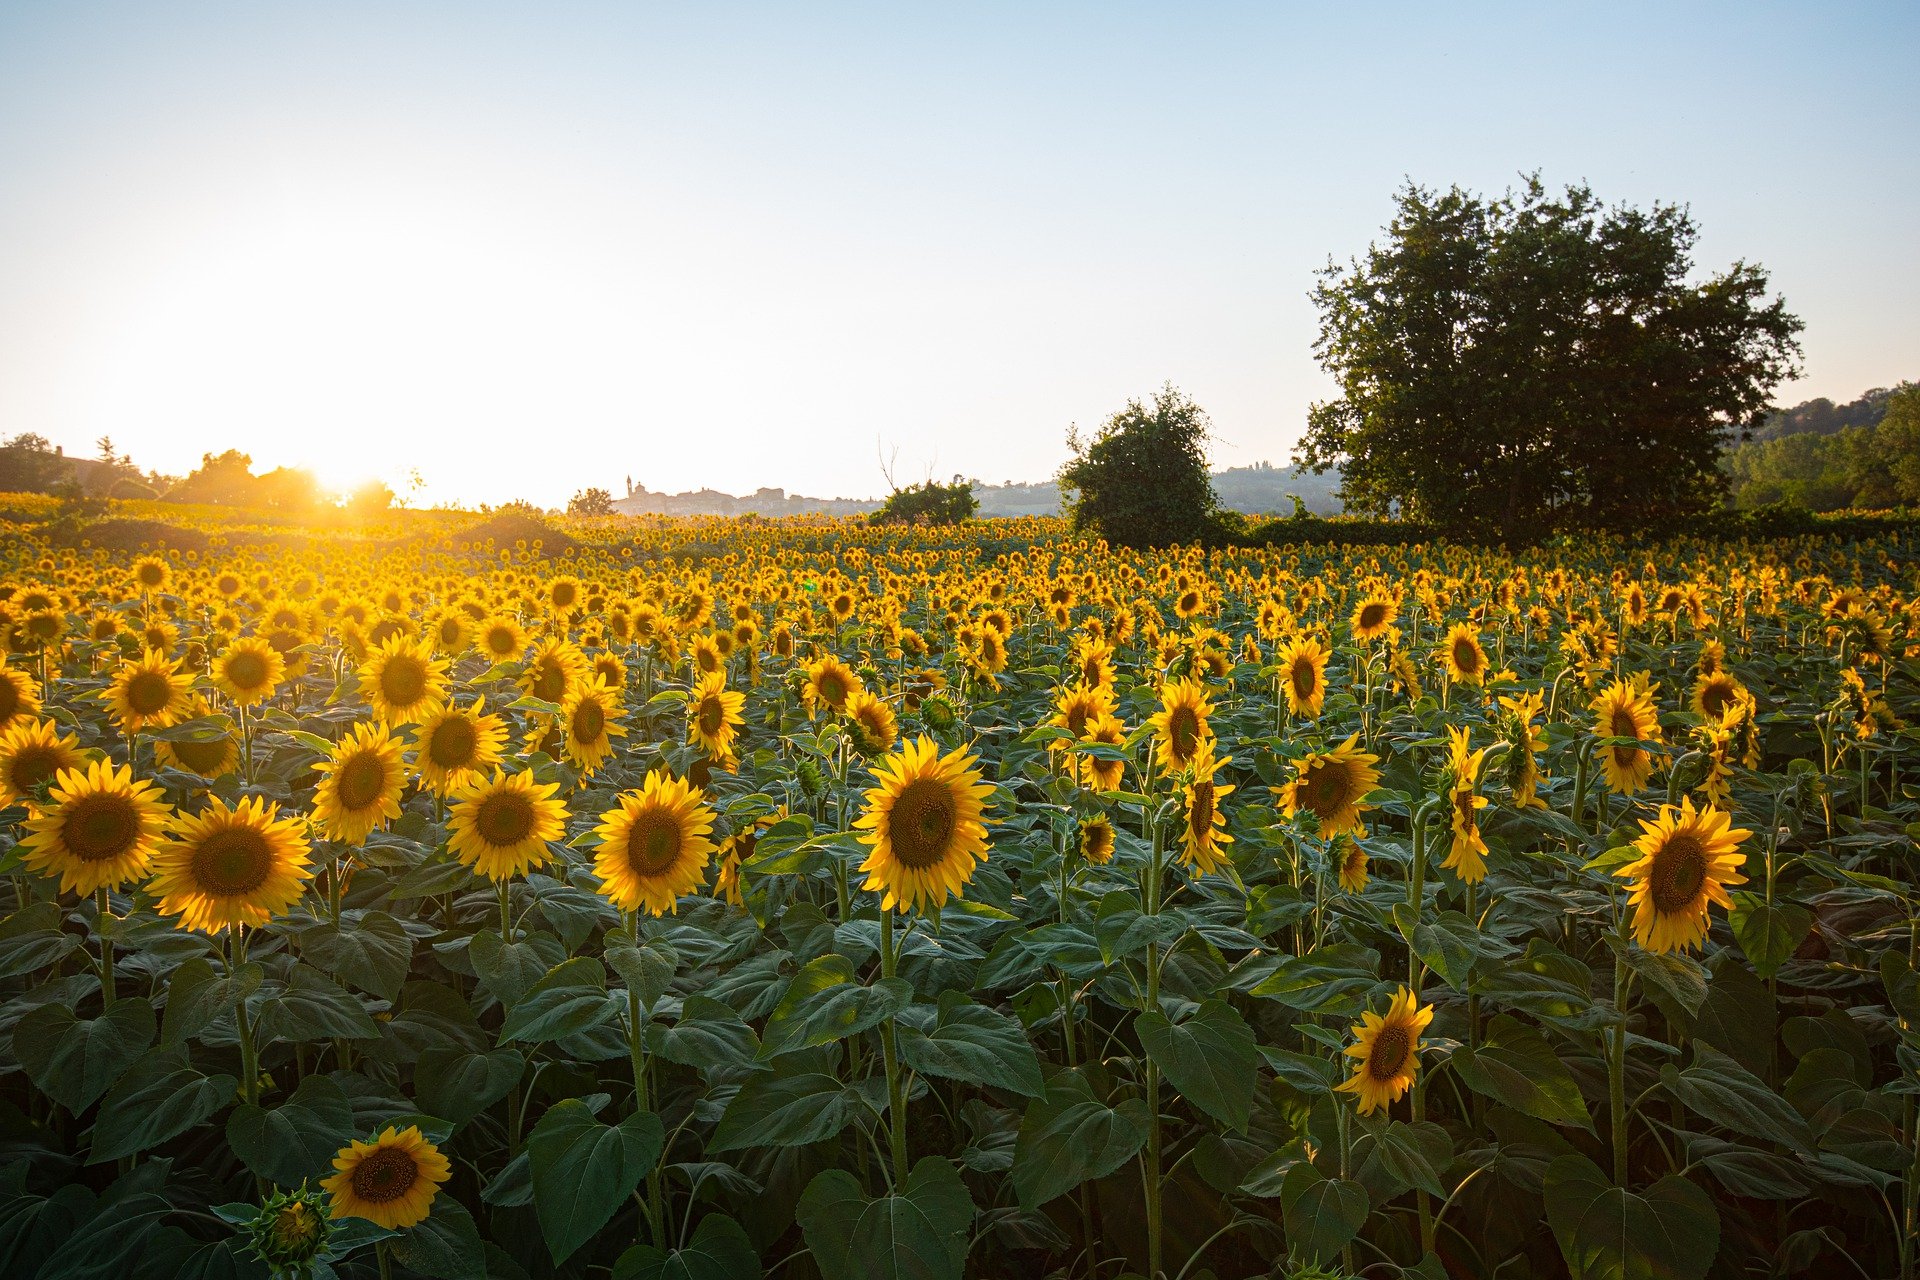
{"x": 105, "y": 925}
{"x": 896, "y": 1093}
{"x": 249, "y": 1056}
{"x": 506, "y": 910}
{"x": 1154, "y": 1242}
{"x": 1617, "y": 1070}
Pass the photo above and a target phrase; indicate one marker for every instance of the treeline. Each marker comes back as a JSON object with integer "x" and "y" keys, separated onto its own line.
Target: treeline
{"x": 31, "y": 464}
{"x": 1828, "y": 457}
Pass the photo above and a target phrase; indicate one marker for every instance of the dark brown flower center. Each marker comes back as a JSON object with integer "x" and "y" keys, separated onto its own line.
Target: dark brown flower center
{"x": 100, "y": 826}
{"x": 1716, "y": 697}
{"x": 232, "y": 862}
{"x": 713, "y": 716}
{"x": 1466, "y": 656}
{"x": 1200, "y": 809}
{"x": 1305, "y": 679}
{"x": 9, "y": 698}
{"x": 246, "y": 670}
{"x": 1679, "y": 869}
{"x": 500, "y": 642}
{"x": 653, "y": 843}
{"x": 1392, "y": 1045}
{"x": 362, "y": 780}
{"x": 453, "y": 743}
{"x": 921, "y": 826}
{"x": 403, "y": 681}
{"x": 1372, "y": 614}
{"x": 1326, "y": 788}
{"x": 201, "y": 757}
{"x": 149, "y": 692}
{"x": 385, "y": 1175}
{"x": 1183, "y": 732}
{"x": 505, "y": 818}
{"x": 588, "y": 722}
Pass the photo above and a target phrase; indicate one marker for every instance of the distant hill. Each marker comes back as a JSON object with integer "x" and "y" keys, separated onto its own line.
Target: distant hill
{"x": 1260, "y": 489}
{"x": 1822, "y": 417}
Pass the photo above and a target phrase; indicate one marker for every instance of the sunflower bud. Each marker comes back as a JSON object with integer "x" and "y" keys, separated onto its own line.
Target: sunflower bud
{"x": 811, "y": 783}
{"x": 938, "y": 713}
{"x": 290, "y": 1231}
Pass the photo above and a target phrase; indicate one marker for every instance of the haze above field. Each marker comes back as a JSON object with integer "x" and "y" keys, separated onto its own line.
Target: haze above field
{"x": 523, "y": 251}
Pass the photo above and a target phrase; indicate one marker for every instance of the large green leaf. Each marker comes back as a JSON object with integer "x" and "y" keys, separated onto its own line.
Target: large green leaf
{"x": 1669, "y": 1232}
{"x": 458, "y": 1084}
{"x": 446, "y": 1246}
{"x": 1516, "y": 1066}
{"x": 709, "y": 1036}
{"x": 971, "y": 1042}
{"x": 917, "y": 1233}
{"x": 1069, "y": 1137}
{"x": 372, "y": 952}
{"x": 1334, "y": 979}
{"x": 1322, "y": 1214}
{"x": 75, "y": 1060}
{"x": 197, "y": 996}
{"x": 824, "y": 1003}
{"x": 511, "y": 969}
{"x": 161, "y": 1097}
{"x": 719, "y": 1250}
{"x": 298, "y": 1139}
{"x": 1768, "y": 933}
{"x": 31, "y": 938}
{"x": 1209, "y": 1057}
{"x": 647, "y": 968}
{"x": 571, "y": 998}
{"x": 313, "y": 1006}
{"x": 1726, "y": 1093}
{"x": 583, "y": 1171}
{"x": 785, "y": 1111}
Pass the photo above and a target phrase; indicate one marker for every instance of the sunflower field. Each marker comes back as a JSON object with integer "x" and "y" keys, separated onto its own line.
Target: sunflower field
{"x": 804, "y": 899}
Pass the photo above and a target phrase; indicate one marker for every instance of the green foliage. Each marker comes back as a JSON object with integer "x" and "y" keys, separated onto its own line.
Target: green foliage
{"x": 1516, "y": 365}
{"x": 928, "y": 503}
{"x": 590, "y": 502}
{"x": 1142, "y": 480}
{"x": 1870, "y": 465}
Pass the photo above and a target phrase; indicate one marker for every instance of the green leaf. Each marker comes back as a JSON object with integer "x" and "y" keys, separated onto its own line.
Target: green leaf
{"x": 313, "y": 1006}
{"x": 1680, "y": 978}
{"x": 1447, "y": 944}
{"x": 719, "y": 1250}
{"x": 709, "y": 1036}
{"x": 1335, "y": 980}
{"x": 446, "y": 1246}
{"x": 1123, "y": 930}
{"x": 1322, "y": 1214}
{"x": 74, "y": 1061}
{"x": 1408, "y": 1155}
{"x": 31, "y": 938}
{"x": 583, "y": 1171}
{"x": 161, "y": 1097}
{"x": 1069, "y": 1137}
{"x": 1670, "y": 1232}
{"x": 785, "y": 1111}
{"x": 1768, "y": 933}
{"x": 571, "y": 998}
{"x": 917, "y": 1233}
{"x": 299, "y": 1138}
{"x": 974, "y": 1043}
{"x": 458, "y": 1084}
{"x": 1516, "y": 1066}
{"x": 1210, "y": 1058}
{"x": 372, "y": 953}
{"x": 823, "y": 1004}
{"x": 511, "y": 969}
{"x": 197, "y": 996}
{"x": 647, "y": 968}
{"x": 1726, "y": 1093}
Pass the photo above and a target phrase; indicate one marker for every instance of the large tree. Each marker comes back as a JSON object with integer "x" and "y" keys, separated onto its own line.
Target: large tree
{"x": 1142, "y": 480}
{"x": 1516, "y": 365}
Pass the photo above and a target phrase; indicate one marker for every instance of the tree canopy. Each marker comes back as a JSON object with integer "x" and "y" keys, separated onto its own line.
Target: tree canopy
{"x": 1515, "y": 365}
{"x": 929, "y": 502}
{"x": 1870, "y": 465}
{"x": 1142, "y": 480}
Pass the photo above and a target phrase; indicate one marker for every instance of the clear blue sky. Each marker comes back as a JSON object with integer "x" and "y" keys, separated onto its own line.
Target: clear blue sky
{"x": 525, "y": 249}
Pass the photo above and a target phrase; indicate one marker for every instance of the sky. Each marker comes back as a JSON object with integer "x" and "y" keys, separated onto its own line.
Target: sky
{"x": 524, "y": 249}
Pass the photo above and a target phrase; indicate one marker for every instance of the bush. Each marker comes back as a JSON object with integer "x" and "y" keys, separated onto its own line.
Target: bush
{"x": 124, "y": 490}
{"x": 1142, "y": 481}
{"x": 928, "y": 503}
{"x": 511, "y": 525}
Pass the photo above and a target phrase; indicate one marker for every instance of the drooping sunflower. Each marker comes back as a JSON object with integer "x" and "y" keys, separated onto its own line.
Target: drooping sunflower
{"x": 591, "y": 714}
{"x": 1386, "y": 1052}
{"x": 1523, "y": 740}
{"x": 360, "y": 784}
{"x": 1687, "y": 859}
{"x": 32, "y": 753}
{"x": 1624, "y": 709}
{"x": 1373, "y": 616}
{"x": 1467, "y": 853}
{"x": 1303, "y": 675}
{"x": 1104, "y": 775}
{"x": 99, "y": 829}
{"x": 714, "y": 716}
{"x": 1462, "y": 657}
{"x": 248, "y": 671}
{"x": 1351, "y": 860}
{"x": 1097, "y": 840}
{"x": 404, "y": 680}
{"x": 1181, "y": 724}
{"x": 871, "y": 721}
{"x": 150, "y": 692}
{"x": 1333, "y": 787}
{"x": 231, "y": 865}
{"x": 390, "y": 1181}
{"x": 452, "y": 744}
{"x": 500, "y": 826}
{"x": 210, "y": 758}
{"x": 1206, "y": 828}
{"x": 19, "y": 697}
{"x": 925, "y": 823}
{"x": 830, "y": 682}
{"x": 736, "y": 849}
{"x": 654, "y": 845}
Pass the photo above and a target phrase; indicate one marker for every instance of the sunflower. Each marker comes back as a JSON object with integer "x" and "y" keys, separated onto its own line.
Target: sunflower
{"x": 213, "y": 758}
{"x": 1687, "y": 858}
{"x": 1462, "y": 657}
{"x": 1467, "y": 854}
{"x": 1373, "y": 616}
{"x": 736, "y": 849}
{"x": 501, "y": 639}
{"x": 98, "y": 830}
{"x": 1104, "y": 775}
{"x": 404, "y": 680}
{"x": 33, "y": 753}
{"x": 1181, "y": 724}
{"x": 714, "y": 716}
{"x": 1523, "y": 740}
{"x": 1205, "y": 831}
{"x": 248, "y": 671}
{"x": 19, "y": 697}
{"x": 1714, "y": 692}
{"x": 454, "y": 745}
{"x": 360, "y": 785}
{"x": 924, "y": 821}
{"x": 830, "y": 682}
{"x": 1303, "y": 675}
{"x": 1333, "y": 787}
{"x": 872, "y": 722}
{"x": 1386, "y": 1052}
{"x": 150, "y": 692}
{"x": 591, "y": 714}
{"x": 1624, "y": 709}
{"x": 1351, "y": 861}
{"x": 654, "y": 845}
{"x": 390, "y": 1181}
{"x": 1097, "y": 840}
{"x": 150, "y": 573}
{"x": 1077, "y": 707}
{"x": 500, "y": 826}
{"x": 231, "y": 865}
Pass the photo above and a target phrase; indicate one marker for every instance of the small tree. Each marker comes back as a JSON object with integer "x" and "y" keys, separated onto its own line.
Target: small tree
{"x": 371, "y": 499}
{"x": 28, "y": 464}
{"x": 1142, "y": 481}
{"x": 928, "y": 503}
{"x": 590, "y": 502}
